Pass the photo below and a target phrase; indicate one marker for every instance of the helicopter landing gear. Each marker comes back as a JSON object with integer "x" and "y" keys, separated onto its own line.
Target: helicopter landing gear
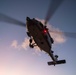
{"x": 56, "y": 56}
{"x": 30, "y": 40}
{"x": 32, "y": 45}
{"x": 52, "y": 51}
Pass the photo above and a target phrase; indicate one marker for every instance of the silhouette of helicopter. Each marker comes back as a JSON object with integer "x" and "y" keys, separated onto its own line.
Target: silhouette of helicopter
{"x": 38, "y": 32}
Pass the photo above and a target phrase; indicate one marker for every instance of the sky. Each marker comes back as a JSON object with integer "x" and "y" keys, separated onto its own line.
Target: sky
{"x": 16, "y": 58}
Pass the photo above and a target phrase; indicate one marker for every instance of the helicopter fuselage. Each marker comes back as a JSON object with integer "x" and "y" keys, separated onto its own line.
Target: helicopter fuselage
{"x": 40, "y": 34}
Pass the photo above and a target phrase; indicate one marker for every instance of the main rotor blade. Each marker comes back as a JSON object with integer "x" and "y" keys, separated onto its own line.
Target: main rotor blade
{"x": 66, "y": 34}
{"x": 5, "y": 18}
{"x": 52, "y": 8}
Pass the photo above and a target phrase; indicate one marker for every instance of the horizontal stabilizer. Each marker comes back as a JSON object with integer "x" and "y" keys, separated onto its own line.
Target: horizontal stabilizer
{"x": 57, "y": 62}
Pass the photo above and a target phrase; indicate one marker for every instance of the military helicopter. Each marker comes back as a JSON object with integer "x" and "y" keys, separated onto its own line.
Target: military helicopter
{"x": 38, "y": 32}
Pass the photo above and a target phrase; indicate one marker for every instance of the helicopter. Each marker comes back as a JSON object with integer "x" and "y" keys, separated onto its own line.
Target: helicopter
{"x": 39, "y": 33}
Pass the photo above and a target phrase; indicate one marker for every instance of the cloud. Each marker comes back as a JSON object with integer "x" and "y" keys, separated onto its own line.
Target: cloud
{"x": 14, "y": 44}
{"x": 25, "y": 43}
{"x": 24, "y": 46}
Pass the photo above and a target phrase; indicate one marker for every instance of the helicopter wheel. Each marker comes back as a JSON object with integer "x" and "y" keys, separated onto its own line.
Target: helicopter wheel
{"x": 31, "y": 46}
{"x": 52, "y": 51}
{"x": 30, "y": 40}
{"x": 56, "y": 56}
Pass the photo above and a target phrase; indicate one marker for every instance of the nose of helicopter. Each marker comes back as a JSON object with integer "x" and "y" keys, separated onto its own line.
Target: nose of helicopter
{"x": 27, "y": 18}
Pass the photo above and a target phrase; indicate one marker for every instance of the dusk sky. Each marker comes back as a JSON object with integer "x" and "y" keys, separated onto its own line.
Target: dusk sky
{"x": 16, "y": 58}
